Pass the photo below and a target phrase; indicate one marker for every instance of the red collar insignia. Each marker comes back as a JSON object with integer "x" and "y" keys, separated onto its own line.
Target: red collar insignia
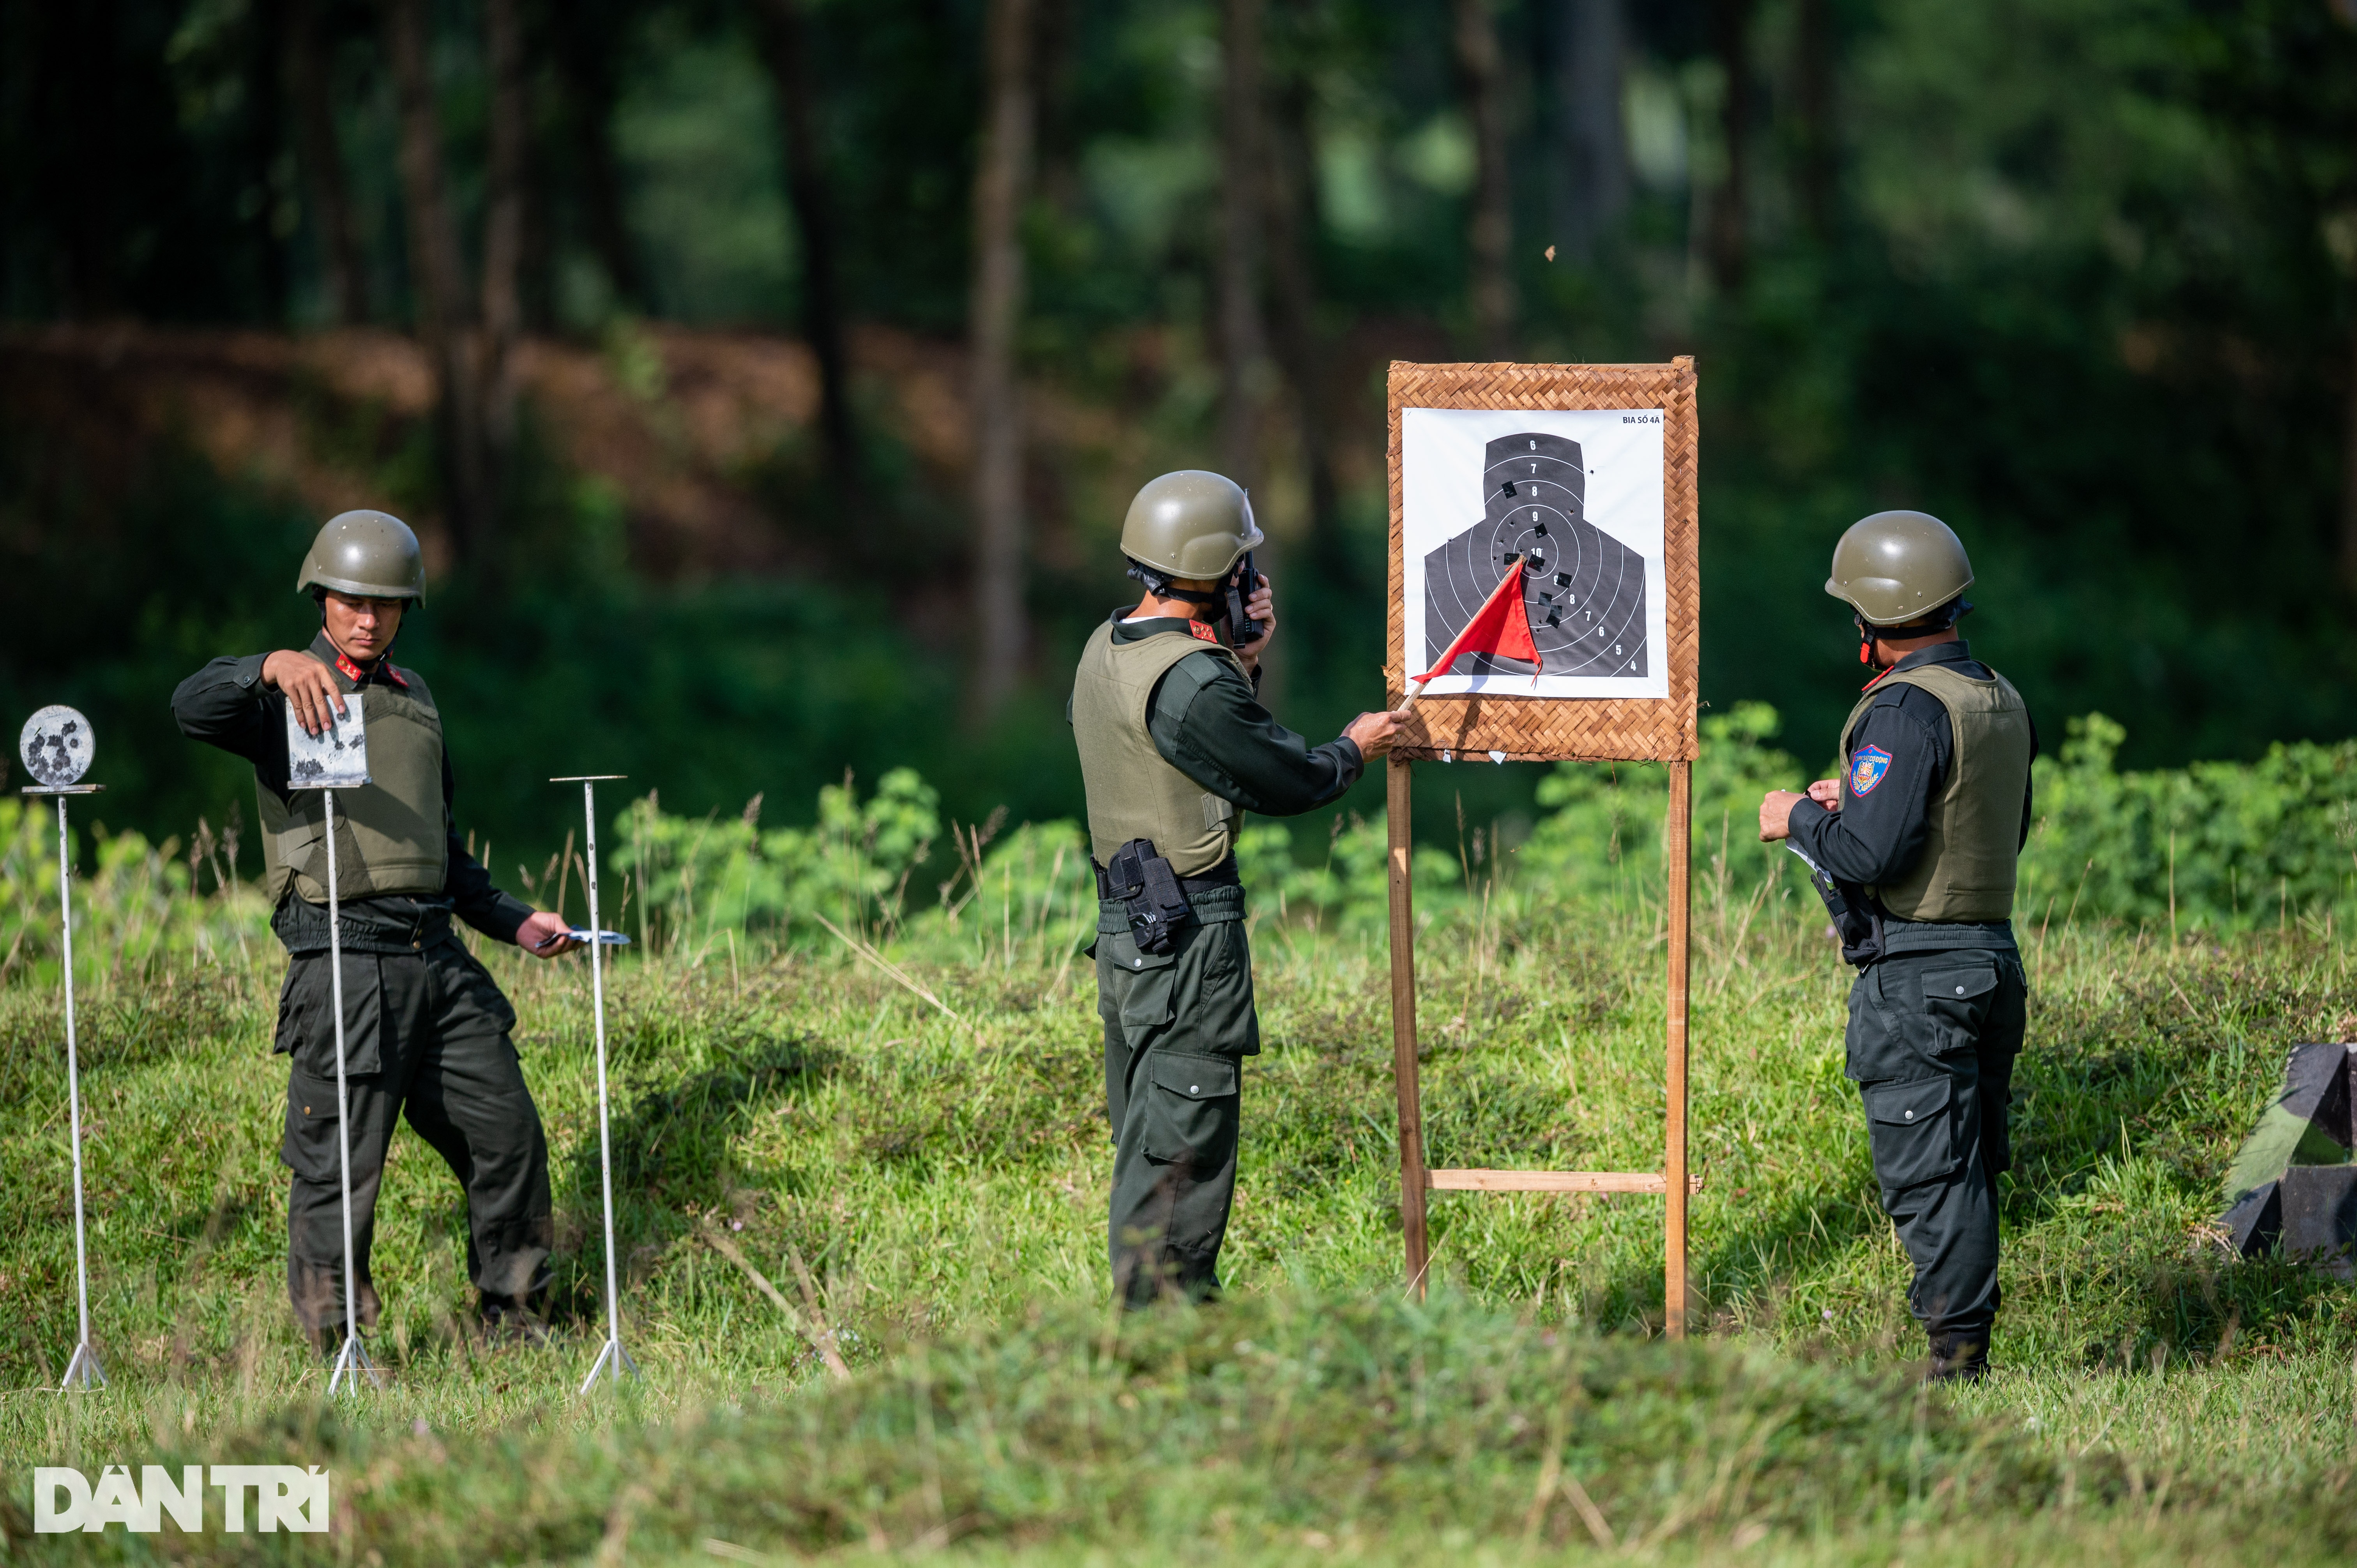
{"x": 358, "y": 677}
{"x": 1201, "y": 632}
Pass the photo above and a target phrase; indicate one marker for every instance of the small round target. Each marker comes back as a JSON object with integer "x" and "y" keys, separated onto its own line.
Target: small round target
{"x": 56, "y": 746}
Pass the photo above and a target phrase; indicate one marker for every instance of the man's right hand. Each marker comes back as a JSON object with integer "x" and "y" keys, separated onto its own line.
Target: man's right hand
{"x": 309, "y": 689}
{"x": 1375, "y": 732}
{"x": 1826, "y": 793}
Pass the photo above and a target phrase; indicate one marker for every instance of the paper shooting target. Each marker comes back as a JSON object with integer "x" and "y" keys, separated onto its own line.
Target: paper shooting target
{"x": 1583, "y": 589}
{"x": 56, "y": 746}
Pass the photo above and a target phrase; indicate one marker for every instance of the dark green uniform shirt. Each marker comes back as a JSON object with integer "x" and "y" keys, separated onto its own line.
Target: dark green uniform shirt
{"x": 1207, "y": 722}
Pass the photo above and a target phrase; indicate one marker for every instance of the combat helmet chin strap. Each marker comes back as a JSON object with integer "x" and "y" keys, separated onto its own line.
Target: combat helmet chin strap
{"x": 1159, "y": 585}
{"x": 1940, "y": 620}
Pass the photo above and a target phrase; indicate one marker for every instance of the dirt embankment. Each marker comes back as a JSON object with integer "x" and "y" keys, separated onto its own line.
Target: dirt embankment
{"x": 680, "y": 423}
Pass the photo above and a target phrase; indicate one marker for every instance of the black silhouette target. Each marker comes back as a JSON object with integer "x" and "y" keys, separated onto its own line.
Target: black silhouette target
{"x": 1585, "y": 590}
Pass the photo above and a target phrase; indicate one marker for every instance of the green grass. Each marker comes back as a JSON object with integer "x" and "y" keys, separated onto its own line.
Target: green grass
{"x": 942, "y": 1180}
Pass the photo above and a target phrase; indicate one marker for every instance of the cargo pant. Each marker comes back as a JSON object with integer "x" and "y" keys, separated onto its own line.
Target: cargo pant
{"x": 1932, "y": 1041}
{"x": 426, "y": 1034}
{"x": 1176, "y": 1028}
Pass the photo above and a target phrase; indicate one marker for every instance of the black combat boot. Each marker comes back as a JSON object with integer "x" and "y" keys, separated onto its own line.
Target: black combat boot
{"x": 508, "y": 1321}
{"x": 1958, "y": 1357}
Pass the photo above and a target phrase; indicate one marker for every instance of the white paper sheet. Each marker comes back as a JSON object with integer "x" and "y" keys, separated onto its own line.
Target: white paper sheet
{"x": 1577, "y": 491}
{"x": 335, "y": 758}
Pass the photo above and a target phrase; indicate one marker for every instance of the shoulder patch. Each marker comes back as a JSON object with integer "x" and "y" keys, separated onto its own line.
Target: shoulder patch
{"x": 1868, "y": 769}
{"x": 1201, "y": 632}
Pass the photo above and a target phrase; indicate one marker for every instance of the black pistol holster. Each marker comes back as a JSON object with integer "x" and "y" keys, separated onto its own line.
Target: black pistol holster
{"x": 1857, "y": 914}
{"x": 1157, "y": 904}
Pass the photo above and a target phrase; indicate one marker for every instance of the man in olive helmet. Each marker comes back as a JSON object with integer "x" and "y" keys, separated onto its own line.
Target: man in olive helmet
{"x": 1174, "y": 747}
{"x": 1913, "y": 850}
{"x": 426, "y": 1029}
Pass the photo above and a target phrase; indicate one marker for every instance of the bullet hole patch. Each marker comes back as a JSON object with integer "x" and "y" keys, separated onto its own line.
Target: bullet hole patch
{"x": 1867, "y": 769}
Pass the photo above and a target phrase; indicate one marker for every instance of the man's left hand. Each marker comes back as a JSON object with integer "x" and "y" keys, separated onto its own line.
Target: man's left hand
{"x": 1776, "y": 814}
{"x": 1260, "y": 604}
{"x": 545, "y": 936}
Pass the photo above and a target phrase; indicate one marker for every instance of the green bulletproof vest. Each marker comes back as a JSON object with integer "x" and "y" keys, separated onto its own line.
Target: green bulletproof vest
{"x": 1966, "y": 871}
{"x": 392, "y": 833}
{"x": 1132, "y": 792}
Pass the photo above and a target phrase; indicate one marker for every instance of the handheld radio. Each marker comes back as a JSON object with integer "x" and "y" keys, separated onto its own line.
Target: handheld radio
{"x": 1242, "y": 584}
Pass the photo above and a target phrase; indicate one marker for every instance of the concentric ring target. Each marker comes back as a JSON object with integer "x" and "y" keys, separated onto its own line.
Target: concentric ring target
{"x": 1585, "y": 590}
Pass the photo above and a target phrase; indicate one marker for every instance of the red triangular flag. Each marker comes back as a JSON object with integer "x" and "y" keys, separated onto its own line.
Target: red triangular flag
{"x": 1501, "y": 628}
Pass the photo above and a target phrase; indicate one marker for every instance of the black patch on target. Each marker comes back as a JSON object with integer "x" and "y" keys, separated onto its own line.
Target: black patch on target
{"x": 1584, "y": 590}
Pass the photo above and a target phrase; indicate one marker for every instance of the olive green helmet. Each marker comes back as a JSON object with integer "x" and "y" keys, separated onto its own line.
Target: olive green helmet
{"x": 370, "y": 553}
{"x": 1898, "y": 566}
{"x": 1189, "y": 524}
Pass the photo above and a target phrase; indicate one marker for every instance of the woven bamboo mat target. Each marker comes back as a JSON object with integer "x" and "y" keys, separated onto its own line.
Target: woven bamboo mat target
{"x": 1547, "y": 729}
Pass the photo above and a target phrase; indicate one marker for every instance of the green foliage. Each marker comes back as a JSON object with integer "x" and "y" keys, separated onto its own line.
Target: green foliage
{"x": 853, "y": 866}
{"x": 135, "y": 911}
{"x": 1603, "y": 838}
{"x": 2236, "y": 847}
{"x": 1350, "y": 888}
{"x": 2217, "y": 846}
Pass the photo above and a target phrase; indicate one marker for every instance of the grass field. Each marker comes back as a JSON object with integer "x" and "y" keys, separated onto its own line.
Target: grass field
{"x": 925, "y": 1192}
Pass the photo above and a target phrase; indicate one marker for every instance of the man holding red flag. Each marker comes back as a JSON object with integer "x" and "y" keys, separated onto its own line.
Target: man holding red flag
{"x": 1174, "y": 746}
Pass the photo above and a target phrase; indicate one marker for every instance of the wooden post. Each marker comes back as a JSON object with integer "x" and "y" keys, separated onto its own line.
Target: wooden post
{"x": 1411, "y": 1108}
{"x": 1679, "y": 855}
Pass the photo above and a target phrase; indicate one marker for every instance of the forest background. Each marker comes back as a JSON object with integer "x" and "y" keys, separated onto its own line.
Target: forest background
{"x": 768, "y": 378}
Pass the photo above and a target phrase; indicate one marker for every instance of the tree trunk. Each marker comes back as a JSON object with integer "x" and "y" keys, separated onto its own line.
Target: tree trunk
{"x": 2349, "y": 503}
{"x": 267, "y": 122}
{"x": 1481, "y": 73}
{"x": 1813, "y": 99}
{"x": 1292, "y": 226}
{"x": 1593, "y": 182}
{"x": 79, "y": 79}
{"x": 309, "y": 90}
{"x": 1002, "y": 178}
{"x": 438, "y": 279}
{"x": 785, "y": 47}
{"x": 506, "y": 172}
{"x": 1242, "y": 345}
{"x": 1729, "y": 240}
{"x": 583, "y": 55}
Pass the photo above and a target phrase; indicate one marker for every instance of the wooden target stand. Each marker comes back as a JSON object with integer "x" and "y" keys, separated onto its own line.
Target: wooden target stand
{"x": 1547, "y": 729}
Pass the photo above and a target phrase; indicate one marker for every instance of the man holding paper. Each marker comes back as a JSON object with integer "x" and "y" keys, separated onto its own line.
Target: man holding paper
{"x": 426, "y": 1029}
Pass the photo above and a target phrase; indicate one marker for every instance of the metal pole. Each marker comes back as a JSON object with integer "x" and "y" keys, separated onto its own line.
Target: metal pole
{"x": 612, "y": 1359}
{"x": 1404, "y": 1072}
{"x": 84, "y": 1362}
{"x": 353, "y": 1359}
